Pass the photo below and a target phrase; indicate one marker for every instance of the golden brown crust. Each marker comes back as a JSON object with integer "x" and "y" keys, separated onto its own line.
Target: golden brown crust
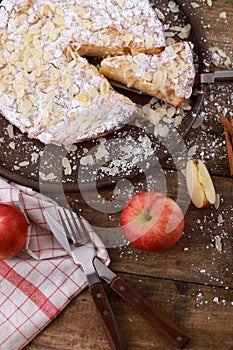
{"x": 86, "y": 49}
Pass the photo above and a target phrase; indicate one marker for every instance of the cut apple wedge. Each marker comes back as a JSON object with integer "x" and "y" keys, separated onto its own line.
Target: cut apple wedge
{"x": 199, "y": 184}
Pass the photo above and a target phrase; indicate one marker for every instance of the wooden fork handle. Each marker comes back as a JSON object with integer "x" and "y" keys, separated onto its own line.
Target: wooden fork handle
{"x": 107, "y": 316}
{"x": 153, "y": 315}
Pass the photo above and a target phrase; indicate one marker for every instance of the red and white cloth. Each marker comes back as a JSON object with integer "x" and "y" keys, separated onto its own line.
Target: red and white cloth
{"x": 37, "y": 284}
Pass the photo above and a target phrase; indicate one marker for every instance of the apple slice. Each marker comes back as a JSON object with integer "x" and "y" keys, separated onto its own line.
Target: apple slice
{"x": 152, "y": 221}
{"x": 199, "y": 184}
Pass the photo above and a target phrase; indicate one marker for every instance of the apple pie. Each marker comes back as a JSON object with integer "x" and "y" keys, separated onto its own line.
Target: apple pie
{"x": 168, "y": 76}
{"x": 47, "y": 89}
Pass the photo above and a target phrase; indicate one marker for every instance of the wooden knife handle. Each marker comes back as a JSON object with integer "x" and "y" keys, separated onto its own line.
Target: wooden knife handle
{"x": 108, "y": 318}
{"x": 153, "y": 315}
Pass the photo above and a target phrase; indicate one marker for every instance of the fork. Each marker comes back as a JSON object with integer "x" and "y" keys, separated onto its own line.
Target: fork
{"x": 83, "y": 252}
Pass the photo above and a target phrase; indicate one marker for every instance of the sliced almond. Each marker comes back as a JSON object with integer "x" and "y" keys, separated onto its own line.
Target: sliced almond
{"x": 82, "y": 97}
{"x": 48, "y": 9}
{"x": 26, "y": 106}
{"x": 149, "y": 42}
{"x": 114, "y": 30}
{"x": 104, "y": 86}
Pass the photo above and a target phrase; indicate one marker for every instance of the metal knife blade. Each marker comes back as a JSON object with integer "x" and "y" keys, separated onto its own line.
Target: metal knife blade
{"x": 103, "y": 271}
{"x": 58, "y": 231}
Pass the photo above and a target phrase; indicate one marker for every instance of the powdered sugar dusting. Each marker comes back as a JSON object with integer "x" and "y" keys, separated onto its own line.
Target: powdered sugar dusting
{"x": 47, "y": 89}
{"x": 168, "y": 76}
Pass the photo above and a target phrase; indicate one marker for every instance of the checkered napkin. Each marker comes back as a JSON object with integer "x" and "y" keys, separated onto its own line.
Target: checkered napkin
{"x": 37, "y": 284}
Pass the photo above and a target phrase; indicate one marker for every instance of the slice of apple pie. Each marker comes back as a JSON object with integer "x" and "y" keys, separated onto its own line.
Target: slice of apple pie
{"x": 168, "y": 76}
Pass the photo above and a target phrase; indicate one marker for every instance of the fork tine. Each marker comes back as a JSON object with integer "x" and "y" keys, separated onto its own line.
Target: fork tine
{"x": 68, "y": 230}
{"x": 73, "y": 226}
{"x": 83, "y": 226}
{"x": 80, "y": 228}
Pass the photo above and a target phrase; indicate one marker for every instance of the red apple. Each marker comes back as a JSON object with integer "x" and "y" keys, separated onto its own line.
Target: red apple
{"x": 152, "y": 221}
{"x": 13, "y": 231}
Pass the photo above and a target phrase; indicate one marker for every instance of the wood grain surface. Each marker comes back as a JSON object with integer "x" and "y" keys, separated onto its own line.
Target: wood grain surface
{"x": 193, "y": 281}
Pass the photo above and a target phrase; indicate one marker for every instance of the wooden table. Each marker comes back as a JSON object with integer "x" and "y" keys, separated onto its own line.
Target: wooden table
{"x": 193, "y": 281}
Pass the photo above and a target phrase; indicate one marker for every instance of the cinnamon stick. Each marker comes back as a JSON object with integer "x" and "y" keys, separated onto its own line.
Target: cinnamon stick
{"x": 227, "y": 123}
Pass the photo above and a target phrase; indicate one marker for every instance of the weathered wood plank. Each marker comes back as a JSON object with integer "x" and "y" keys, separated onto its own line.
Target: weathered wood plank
{"x": 202, "y": 311}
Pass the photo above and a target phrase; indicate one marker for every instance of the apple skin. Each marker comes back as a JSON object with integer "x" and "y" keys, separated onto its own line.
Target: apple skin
{"x": 152, "y": 222}
{"x": 13, "y": 231}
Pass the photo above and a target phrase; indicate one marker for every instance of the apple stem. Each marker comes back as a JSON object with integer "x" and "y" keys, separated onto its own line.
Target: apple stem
{"x": 148, "y": 215}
